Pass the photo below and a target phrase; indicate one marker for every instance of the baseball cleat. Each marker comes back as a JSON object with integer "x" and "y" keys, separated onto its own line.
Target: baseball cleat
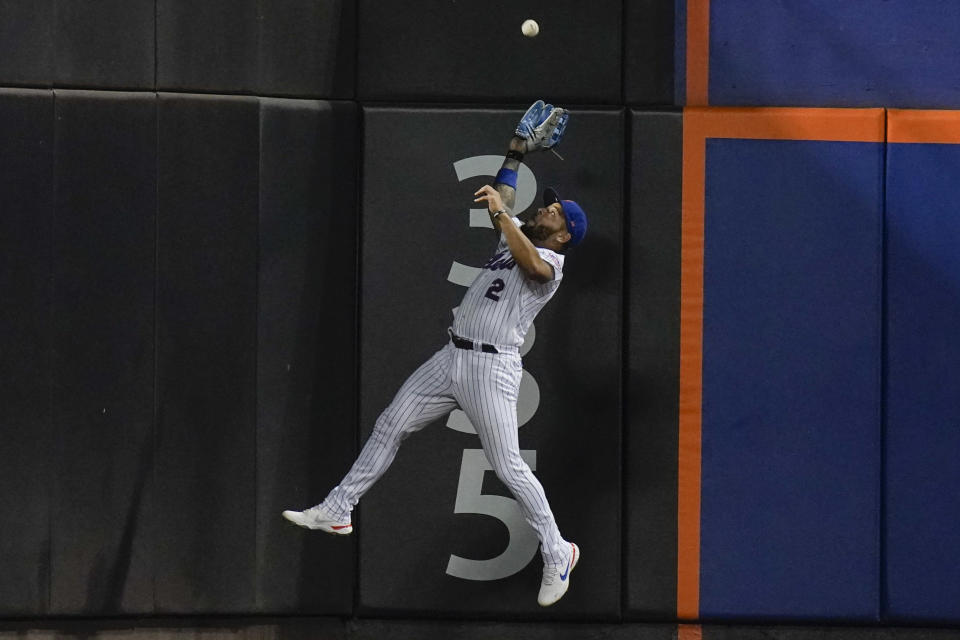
{"x": 556, "y": 578}
{"x": 319, "y": 518}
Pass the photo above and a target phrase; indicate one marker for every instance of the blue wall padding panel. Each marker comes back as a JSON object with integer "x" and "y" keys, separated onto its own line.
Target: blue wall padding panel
{"x": 896, "y": 53}
{"x": 791, "y": 380}
{"x": 922, "y": 479}
{"x": 680, "y": 52}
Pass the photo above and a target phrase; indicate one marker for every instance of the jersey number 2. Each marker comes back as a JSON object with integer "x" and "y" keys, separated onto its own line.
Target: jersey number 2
{"x": 495, "y": 287}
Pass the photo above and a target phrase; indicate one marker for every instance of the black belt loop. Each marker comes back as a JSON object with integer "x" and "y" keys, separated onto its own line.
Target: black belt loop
{"x": 463, "y": 343}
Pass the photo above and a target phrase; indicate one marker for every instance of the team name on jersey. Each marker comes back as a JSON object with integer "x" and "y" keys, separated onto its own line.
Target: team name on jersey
{"x": 503, "y": 260}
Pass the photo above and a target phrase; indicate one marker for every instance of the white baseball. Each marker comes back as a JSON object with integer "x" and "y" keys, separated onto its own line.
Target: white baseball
{"x": 530, "y": 28}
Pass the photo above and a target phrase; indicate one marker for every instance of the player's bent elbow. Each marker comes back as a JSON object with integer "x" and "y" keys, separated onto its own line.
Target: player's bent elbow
{"x": 540, "y": 273}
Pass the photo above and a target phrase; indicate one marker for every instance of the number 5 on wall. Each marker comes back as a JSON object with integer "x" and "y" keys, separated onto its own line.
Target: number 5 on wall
{"x": 522, "y": 543}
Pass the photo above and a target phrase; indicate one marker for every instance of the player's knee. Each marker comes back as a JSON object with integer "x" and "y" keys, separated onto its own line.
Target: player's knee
{"x": 385, "y": 433}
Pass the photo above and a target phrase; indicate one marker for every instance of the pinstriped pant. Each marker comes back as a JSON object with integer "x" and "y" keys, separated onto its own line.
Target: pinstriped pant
{"x": 485, "y": 386}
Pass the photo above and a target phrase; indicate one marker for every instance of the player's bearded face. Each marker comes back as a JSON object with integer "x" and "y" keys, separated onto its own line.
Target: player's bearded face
{"x": 535, "y": 231}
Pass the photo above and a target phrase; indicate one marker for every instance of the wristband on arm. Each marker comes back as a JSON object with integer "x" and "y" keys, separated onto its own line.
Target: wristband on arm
{"x": 507, "y": 177}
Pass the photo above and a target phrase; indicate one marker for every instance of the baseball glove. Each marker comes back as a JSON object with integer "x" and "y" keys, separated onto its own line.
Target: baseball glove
{"x": 542, "y": 126}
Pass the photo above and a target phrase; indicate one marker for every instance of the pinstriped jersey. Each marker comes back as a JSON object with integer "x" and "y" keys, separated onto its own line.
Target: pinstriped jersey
{"x": 502, "y": 302}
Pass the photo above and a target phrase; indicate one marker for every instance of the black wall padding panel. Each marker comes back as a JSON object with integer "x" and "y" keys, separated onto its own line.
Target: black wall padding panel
{"x": 103, "y": 366}
{"x": 472, "y": 630}
{"x": 206, "y": 333}
{"x": 207, "y": 46}
{"x": 105, "y": 44}
{"x": 306, "y": 362}
{"x": 416, "y": 224}
{"x": 308, "y": 48}
{"x": 330, "y": 628}
{"x": 474, "y": 50}
{"x": 648, "y": 52}
{"x": 26, "y": 42}
{"x": 653, "y": 355}
{"x": 26, "y": 181}
{"x": 270, "y": 47}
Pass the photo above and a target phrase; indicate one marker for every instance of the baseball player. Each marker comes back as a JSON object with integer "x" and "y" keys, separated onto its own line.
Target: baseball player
{"x": 479, "y": 369}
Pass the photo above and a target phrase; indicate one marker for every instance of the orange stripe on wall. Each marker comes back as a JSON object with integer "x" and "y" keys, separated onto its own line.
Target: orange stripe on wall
{"x": 699, "y": 124}
{"x": 689, "y": 632}
{"x": 786, "y": 123}
{"x": 691, "y": 358}
{"x": 698, "y": 52}
{"x": 931, "y": 127}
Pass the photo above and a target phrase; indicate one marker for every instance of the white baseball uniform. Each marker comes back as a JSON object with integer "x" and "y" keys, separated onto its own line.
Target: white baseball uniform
{"x": 497, "y": 311}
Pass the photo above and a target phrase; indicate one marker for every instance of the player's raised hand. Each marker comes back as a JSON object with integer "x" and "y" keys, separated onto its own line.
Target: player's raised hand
{"x": 542, "y": 126}
{"x": 491, "y": 196}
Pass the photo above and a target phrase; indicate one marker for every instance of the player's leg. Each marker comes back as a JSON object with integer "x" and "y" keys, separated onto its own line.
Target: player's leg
{"x": 424, "y": 397}
{"x": 490, "y": 401}
{"x": 491, "y": 404}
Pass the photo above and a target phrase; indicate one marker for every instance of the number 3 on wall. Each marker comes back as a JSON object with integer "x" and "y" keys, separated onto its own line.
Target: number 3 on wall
{"x": 522, "y": 543}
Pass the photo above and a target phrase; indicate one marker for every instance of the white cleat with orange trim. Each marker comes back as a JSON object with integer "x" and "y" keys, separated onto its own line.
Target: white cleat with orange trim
{"x": 318, "y": 517}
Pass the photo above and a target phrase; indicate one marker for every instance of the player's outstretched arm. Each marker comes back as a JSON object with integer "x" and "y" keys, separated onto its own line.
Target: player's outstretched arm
{"x": 522, "y": 250}
{"x": 540, "y": 128}
{"x": 506, "y": 182}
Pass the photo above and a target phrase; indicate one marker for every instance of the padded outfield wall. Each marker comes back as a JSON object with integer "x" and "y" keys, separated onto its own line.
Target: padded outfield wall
{"x": 231, "y": 230}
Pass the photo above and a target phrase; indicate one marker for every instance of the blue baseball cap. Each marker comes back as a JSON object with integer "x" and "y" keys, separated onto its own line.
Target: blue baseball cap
{"x": 576, "y": 218}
